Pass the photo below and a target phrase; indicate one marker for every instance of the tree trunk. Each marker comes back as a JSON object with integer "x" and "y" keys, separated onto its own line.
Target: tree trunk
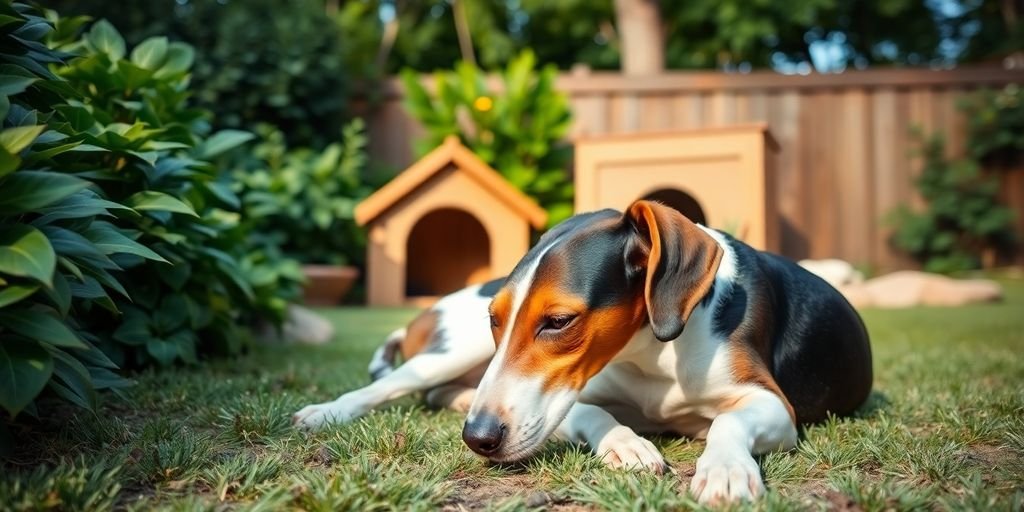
{"x": 642, "y": 41}
{"x": 462, "y": 31}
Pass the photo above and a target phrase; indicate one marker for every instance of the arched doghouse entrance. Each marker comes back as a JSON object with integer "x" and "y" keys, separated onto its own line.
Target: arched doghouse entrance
{"x": 681, "y": 201}
{"x": 446, "y": 250}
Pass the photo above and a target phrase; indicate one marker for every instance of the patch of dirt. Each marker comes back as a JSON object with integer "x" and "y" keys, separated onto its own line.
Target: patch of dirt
{"x": 817, "y": 494}
{"x": 989, "y": 456}
{"x": 479, "y": 494}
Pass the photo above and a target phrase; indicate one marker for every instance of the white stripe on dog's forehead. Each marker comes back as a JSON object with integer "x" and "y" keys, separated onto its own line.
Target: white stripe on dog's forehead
{"x": 521, "y": 288}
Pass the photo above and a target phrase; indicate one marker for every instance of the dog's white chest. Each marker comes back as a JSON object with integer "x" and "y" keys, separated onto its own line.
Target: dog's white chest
{"x": 676, "y": 385}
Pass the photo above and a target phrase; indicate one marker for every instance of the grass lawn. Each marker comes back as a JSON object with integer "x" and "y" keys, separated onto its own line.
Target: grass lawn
{"x": 944, "y": 429}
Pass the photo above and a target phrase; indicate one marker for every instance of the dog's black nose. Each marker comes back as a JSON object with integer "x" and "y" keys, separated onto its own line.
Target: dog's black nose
{"x": 483, "y": 434}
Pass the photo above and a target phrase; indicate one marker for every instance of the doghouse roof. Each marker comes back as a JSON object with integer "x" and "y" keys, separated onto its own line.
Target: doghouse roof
{"x": 451, "y": 152}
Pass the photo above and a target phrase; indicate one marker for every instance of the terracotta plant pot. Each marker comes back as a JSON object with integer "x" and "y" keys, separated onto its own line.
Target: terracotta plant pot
{"x": 327, "y": 284}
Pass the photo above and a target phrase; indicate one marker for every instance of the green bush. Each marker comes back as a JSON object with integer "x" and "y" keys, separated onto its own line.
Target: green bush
{"x": 303, "y": 201}
{"x": 519, "y": 131}
{"x": 118, "y": 246}
{"x": 995, "y": 124}
{"x": 963, "y": 218}
{"x": 256, "y": 61}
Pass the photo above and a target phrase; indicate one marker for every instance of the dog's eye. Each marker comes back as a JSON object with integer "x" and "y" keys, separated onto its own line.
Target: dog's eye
{"x": 557, "y": 322}
{"x": 494, "y": 321}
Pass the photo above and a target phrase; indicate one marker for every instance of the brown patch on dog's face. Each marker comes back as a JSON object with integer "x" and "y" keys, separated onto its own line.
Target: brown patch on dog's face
{"x": 581, "y": 309}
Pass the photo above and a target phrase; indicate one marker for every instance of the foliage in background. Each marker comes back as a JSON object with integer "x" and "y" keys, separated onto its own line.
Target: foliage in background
{"x": 256, "y": 61}
{"x": 698, "y": 33}
{"x": 995, "y": 124}
{"x": 519, "y": 130}
{"x": 963, "y": 218}
{"x": 303, "y": 201}
{"x": 115, "y": 233}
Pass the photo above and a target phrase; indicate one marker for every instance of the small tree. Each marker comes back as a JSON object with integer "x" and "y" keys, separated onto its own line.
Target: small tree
{"x": 963, "y": 219}
{"x": 520, "y": 131}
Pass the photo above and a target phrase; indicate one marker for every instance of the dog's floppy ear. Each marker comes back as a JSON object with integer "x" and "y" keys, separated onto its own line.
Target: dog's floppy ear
{"x": 679, "y": 260}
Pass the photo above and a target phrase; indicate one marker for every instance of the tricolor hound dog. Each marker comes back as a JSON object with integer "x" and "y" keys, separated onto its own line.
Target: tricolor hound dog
{"x": 618, "y": 324}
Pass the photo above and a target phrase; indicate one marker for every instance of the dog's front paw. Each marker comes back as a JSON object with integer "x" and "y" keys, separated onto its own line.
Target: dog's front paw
{"x": 726, "y": 475}
{"x": 621, "y": 448}
{"x": 317, "y": 416}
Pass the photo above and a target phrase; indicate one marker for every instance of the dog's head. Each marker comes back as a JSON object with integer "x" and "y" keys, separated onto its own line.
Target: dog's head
{"x": 571, "y": 304}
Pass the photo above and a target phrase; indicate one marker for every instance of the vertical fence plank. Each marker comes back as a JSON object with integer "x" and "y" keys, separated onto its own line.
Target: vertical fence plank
{"x": 854, "y": 197}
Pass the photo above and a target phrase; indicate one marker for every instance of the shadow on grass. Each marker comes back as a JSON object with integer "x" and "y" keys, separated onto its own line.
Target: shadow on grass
{"x": 877, "y": 402}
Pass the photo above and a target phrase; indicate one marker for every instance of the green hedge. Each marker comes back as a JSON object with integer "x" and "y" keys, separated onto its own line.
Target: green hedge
{"x": 120, "y": 243}
{"x": 303, "y": 201}
{"x": 257, "y": 61}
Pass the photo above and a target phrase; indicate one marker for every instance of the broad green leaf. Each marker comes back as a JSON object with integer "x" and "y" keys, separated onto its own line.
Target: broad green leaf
{"x": 89, "y": 288}
{"x": 176, "y": 274}
{"x": 12, "y": 293}
{"x": 171, "y": 314}
{"x": 106, "y": 39}
{"x": 222, "y": 141}
{"x": 60, "y": 294}
{"x": 110, "y": 240}
{"x": 76, "y": 384}
{"x": 37, "y": 156}
{"x": 27, "y": 191}
{"x": 134, "y": 329}
{"x": 8, "y": 162}
{"x": 25, "y": 252}
{"x": 94, "y": 357}
{"x": 223, "y": 192}
{"x": 85, "y": 203}
{"x": 40, "y": 326}
{"x": 164, "y": 145}
{"x": 13, "y": 84}
{"x": 179, "y": 60}
{"x": 165, "y": 352}
{"x": 158, "y": 201}
{"x": 103, "y": 378}
{"x": 24, "y": 369}
{"x": 185, "y": 340}
{"x": 134, "y": 77}
{"x": 18, "y": 138}
{"x": 80, "y": 119}
{"x": 151, "y": 53}
{"x": 70, "y": 243}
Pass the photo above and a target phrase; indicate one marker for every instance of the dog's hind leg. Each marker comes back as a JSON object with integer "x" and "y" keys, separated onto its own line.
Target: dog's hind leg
{"x": 451, "y": 396}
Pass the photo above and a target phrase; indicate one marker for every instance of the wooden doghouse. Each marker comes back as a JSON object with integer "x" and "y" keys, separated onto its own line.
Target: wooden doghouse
{"x": 447, "y": 221}
{"x": 719, "y": 177}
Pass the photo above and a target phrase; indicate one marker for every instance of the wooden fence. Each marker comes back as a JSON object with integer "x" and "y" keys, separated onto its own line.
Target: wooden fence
{"x": 846, "y": 144}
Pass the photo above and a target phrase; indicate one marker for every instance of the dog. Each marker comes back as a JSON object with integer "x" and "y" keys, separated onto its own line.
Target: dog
{"x": 618, "y": 324}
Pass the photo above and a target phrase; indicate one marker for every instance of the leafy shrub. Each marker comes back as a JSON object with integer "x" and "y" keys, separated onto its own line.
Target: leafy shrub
{"x": 114, "y": 232}
{"x": 963, "y": 218}
{"x": 257, "y": 61}
{"x": 303, "y": 201}
{"x": 995, "y": 123}
{"x": 519, "y": 131}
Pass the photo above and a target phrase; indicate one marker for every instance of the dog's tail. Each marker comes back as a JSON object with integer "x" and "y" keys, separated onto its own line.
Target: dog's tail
{"x": 383, "y": 361}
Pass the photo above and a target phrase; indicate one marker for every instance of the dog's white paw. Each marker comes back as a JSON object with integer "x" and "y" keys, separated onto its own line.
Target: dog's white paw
{"x": 726, "y": 475}
{"x": 621, "y": 448}
{"x": 317, "y": 416}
